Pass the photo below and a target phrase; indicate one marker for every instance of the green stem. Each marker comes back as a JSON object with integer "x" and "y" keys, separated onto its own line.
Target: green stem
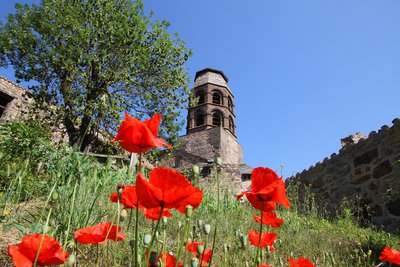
{"x": 259, "y": 237}
{"x": 185, "y": 233}
{"x": 154, "y": 235}
{"x": 216, "y": 216}
{"x": 137, "y": 215}
{"x": 42, "y": 239}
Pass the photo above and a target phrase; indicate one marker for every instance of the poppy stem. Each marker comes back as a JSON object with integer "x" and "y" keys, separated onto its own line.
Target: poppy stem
{"x": 216, "y": 215}
{"x": 154, "y": 234}
{"x": 137, "y": 214}
{"x": 184, "y": 241}
{"x": 259, "y": 237}
{"x": 42, "y": 239}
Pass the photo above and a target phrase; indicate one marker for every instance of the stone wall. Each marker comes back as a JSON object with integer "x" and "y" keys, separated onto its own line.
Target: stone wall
{"x": 366, "y": 171}
{"x": 19, "y": 97}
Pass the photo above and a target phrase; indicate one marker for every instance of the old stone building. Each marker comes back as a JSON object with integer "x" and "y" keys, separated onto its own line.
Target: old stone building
{"x": 13, "y": 100}
{"x": 365, "y": 172}
{"x": 211, "y": 131}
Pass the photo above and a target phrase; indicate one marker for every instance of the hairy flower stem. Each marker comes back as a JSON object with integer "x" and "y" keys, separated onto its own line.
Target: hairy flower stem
{"x": 154, "y": 235}
{"x": 216, "y": 216}
{"x": 184, "y": 241}
{"x": 137, "y": 215}
{"x": 42, "y": 239}
{"x": 259, "y": 237}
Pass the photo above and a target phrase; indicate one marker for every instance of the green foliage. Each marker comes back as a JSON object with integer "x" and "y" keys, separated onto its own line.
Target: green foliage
{"x": 95, "y": 59}
{"x": 77, "y": 194}
{"x": 24, "y": 148}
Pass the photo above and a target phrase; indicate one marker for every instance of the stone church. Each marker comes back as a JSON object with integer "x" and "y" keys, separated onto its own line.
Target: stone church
{"x": 211, "y": 132}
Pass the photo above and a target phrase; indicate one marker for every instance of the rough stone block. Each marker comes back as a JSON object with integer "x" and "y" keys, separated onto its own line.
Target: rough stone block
{"x": 382, "y": 169}
{"x": 366, "y": 157}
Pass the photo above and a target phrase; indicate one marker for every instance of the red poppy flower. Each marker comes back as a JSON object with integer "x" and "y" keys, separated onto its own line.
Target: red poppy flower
{"x": 168, "y": 189}
{"x": 266, "y": 190}
{"x": 99, "y": 234}
{"x": 128, "y": 198}
{"x": 24, "y": 255}
{"x": 205, "y": 257}
{"x": 301, "y": 262}
{"x": 169, "y": 260}
{"x": 390, "y": 255}
{"x": 264, "y": 265}
{"x": 269, "y": 218}
{"x": 138, "y": 137}
{"x": 267, "y": 239}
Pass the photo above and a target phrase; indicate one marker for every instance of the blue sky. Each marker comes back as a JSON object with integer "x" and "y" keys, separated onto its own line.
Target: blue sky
{"x": 304, "y": 73}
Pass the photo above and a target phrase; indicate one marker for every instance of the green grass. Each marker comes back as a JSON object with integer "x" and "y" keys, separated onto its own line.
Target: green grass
{"x": 76, "y": 189}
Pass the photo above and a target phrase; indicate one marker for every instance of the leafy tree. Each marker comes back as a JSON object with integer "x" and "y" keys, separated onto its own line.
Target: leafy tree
{"x": 96, "y": 58}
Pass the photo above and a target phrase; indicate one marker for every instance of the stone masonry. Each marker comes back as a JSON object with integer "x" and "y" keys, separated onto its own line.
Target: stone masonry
{"x": 13, "y": 100}
{"x": 211, "y": 132}
{"x": 367, "y": 171}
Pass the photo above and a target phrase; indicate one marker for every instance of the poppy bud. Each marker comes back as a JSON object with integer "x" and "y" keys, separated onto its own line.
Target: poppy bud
{"x": 194, "y": 262}
{"x": 123, "y": 215}
{"x": 218, "y": 161}
{"x": 157, "y": 234}
{"x": 206, "y": 228}
{"x": 54, "y": 196}
{"x": 70, "y": 261}
{"x": 225, "y": 248}
{"x": 147, "y": 239}
{"x": 196, "y": 169}
{"x": 243, "y": 240}
{"x": 199, "y": 223}
{"x": 153, "y": 258}
{"x": 165, "y": 220}
{"x": 120, "y": 187}
{"x": 179, "y": 224}
{"x": 200, "y": 249}
{"x": 132, "y": 243}
{"x": 189, "y": 211}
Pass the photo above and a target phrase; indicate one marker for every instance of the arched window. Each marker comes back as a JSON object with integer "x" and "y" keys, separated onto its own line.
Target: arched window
{"x": 199, "y": 118}
{"x": 231, "y": 125}
{"x": 230, "y": 104}
{"x": 217, "y": 98}
{"x": 217, "y": 118}
{"x": 200, "y": 96}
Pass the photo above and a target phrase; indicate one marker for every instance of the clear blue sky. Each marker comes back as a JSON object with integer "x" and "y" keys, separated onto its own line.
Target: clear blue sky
{"x": 304, "y": 73}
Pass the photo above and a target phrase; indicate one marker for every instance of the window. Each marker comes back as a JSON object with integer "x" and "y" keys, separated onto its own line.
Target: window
{"x": 217, "y": 98}
{"x": 4, "y": 100}
{"x": 217, "y": 118}
{"x": 230, "y": 104}
{"x": 231, "y": 125}
{"x": 199, "y": 119}
{"x": 201, "y": 97}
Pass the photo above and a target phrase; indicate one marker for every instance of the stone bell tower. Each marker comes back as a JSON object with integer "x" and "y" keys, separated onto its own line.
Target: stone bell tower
{"x": 211, "y": 131}
{"x": 212, "y": 103}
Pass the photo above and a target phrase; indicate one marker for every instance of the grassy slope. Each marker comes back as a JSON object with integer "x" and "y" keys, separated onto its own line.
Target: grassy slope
{"x": 84, "y": 186}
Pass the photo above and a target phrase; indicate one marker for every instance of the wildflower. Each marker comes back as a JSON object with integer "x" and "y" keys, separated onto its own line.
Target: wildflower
{"x": 269, "y": 218}
{"x": 128, "y": 198}
{"x": 24, "y": 255}
{"x": 138, "y": 137}
{"x": 267, "y": 239}
{"x": 301, "y": 262}
{"x": 264, "y": 265}
{"x": 168, "y": 189}
{"x": 6, "y": 213}
{"x": 266, "y": 190}
{"x": 390, "y": 255}
{"x": 167, "y": 259}
{"x": 99, "y": 234}
{"x": 205, "y": 257}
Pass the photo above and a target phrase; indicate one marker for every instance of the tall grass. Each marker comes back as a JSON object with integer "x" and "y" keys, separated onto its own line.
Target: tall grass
{"x": 76, "y": 188}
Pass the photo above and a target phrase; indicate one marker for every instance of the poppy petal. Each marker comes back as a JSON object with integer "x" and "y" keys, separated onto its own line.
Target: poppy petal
{"x": 267, "y": 239}
{"x": 390, "y": 255}
{"x": 19, "y": 259}
{"x": 149, "y": 195}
